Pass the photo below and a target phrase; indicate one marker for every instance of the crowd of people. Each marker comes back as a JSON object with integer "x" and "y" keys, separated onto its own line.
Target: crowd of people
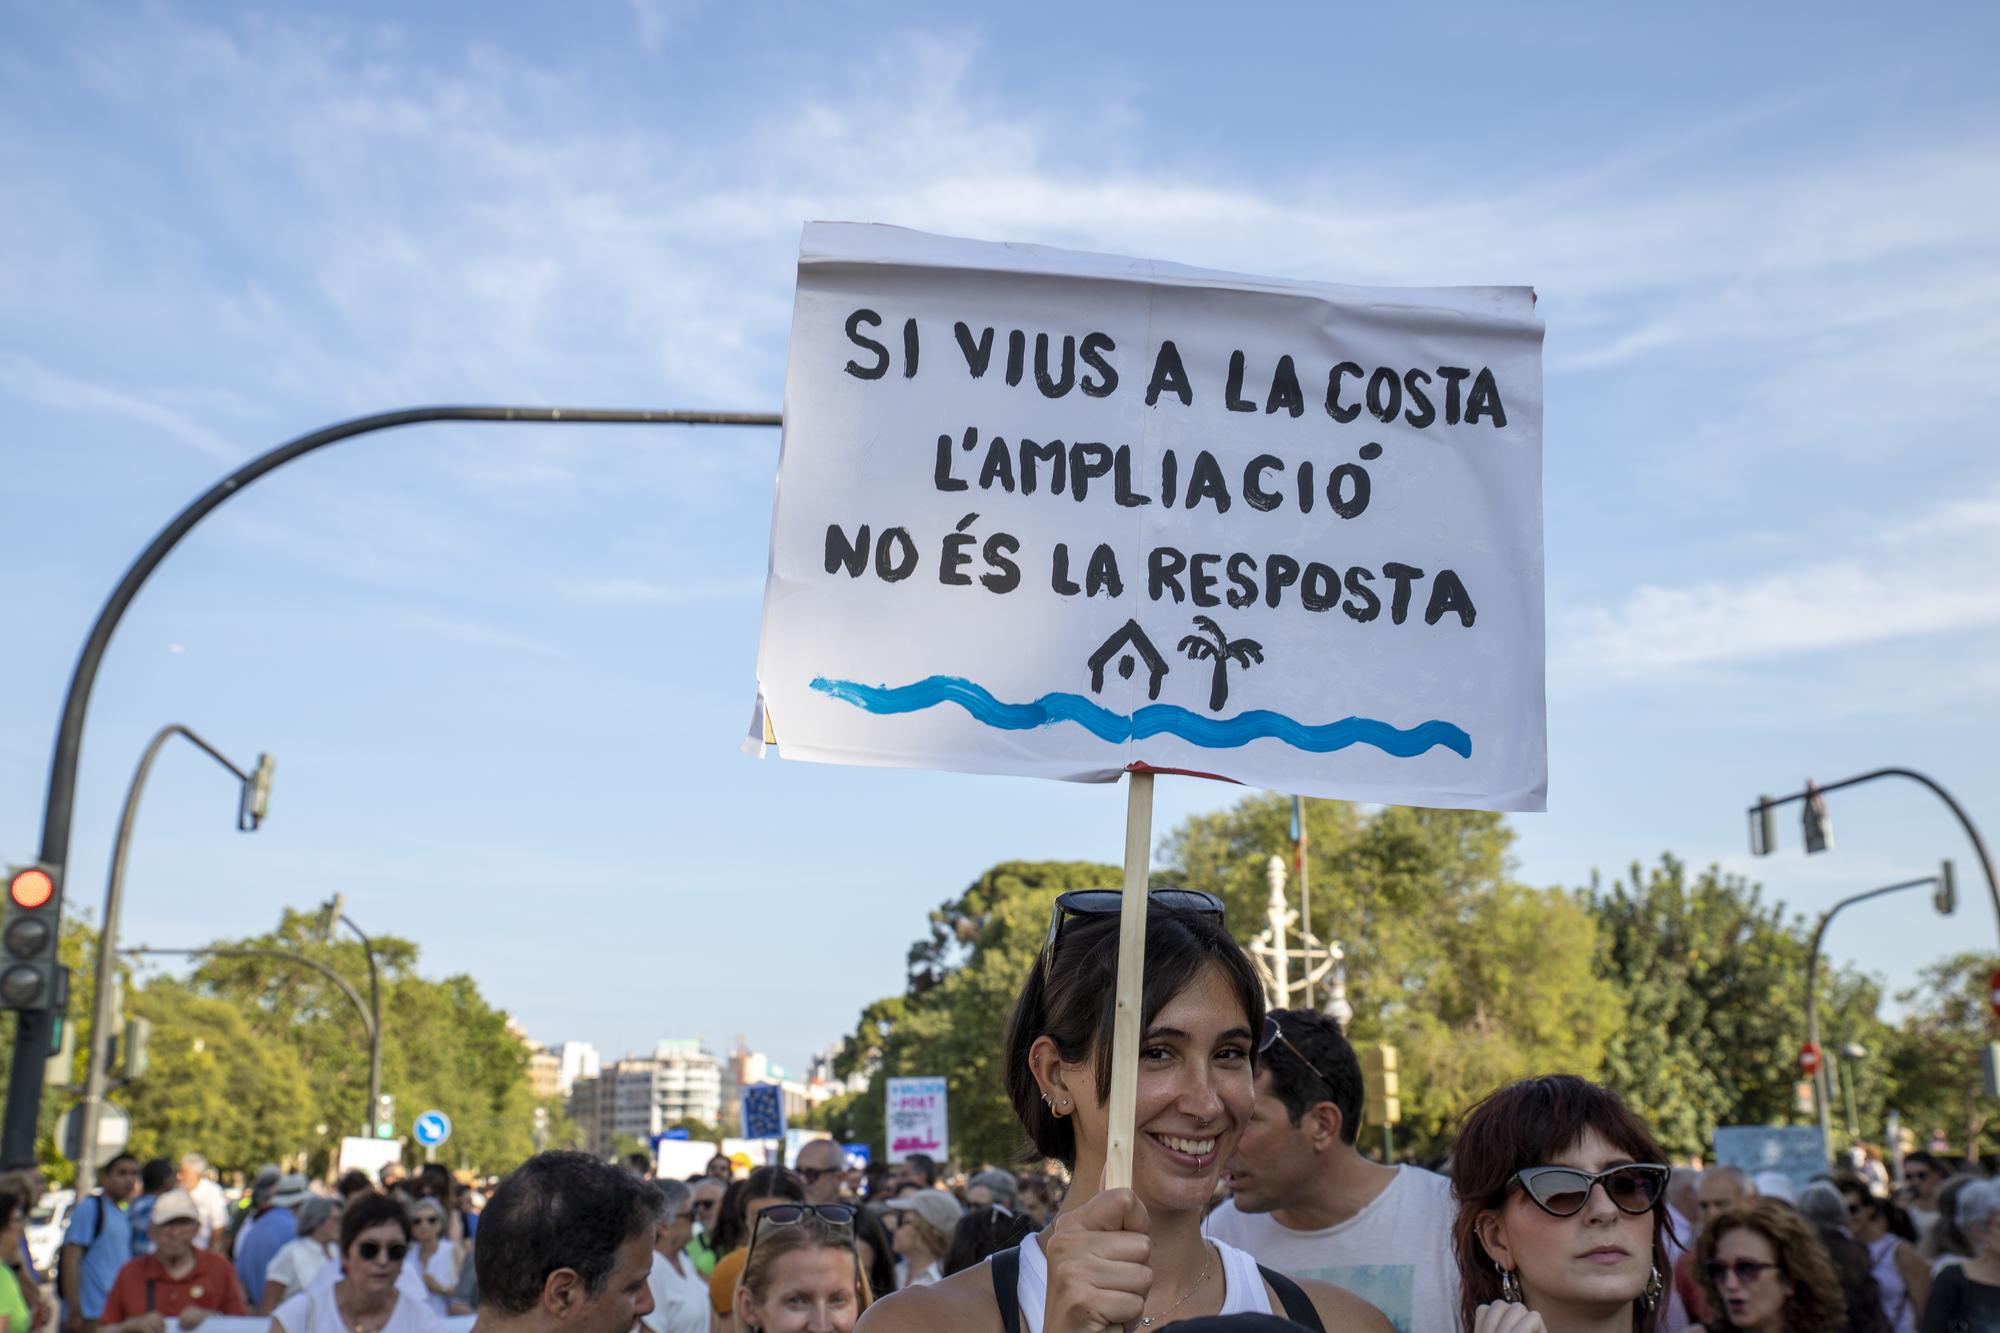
{"x": 1249, "y": 1206}
{"x": 161, "y": 1241}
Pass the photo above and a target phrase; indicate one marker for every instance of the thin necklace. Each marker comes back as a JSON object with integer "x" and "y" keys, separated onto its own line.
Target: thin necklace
{"x": 1148, "y": 1320}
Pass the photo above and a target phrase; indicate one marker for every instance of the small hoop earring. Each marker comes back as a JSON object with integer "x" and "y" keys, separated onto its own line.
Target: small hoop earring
{"x": 1654, "y": 1287}
{"x": 1510, "y": 1286}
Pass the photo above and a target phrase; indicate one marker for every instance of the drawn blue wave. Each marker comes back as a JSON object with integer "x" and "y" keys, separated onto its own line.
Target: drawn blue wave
{"x": 1216, "y": 733}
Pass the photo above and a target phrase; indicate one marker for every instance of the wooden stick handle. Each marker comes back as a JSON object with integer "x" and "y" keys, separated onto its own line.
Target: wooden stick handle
{"x": 1131, "y": 980}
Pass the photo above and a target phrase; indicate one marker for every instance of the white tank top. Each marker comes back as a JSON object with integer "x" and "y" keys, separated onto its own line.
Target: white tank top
{"x": 1242, "y": 1293}
{"x": 1895, "y": 1292}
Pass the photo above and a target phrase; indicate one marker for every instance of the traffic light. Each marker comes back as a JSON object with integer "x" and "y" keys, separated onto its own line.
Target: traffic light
{"x": 33, "y": 913}
{"x": 1381, "y": 1085}
{"x": 385, "y": 1116}
{"x": 1818, "y": 828}
{"x": 1763, "y": 828}
{"x": 256, "y": 798}
{"x": 134, "y": 1053}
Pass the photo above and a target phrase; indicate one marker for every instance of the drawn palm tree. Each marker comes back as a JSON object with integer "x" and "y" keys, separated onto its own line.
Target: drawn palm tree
{"x": 1223, "y": 650}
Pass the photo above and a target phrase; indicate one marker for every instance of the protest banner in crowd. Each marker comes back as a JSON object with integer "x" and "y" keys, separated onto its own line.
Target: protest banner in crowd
{"x": 1065, "y": 515}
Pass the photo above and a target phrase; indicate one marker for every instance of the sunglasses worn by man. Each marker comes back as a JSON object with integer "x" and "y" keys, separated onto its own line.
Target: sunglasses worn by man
{"x": 1562, "y": 1191}
{"x": 1274, "y": 1035}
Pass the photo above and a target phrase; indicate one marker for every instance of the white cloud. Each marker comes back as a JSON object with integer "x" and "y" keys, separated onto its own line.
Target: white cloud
{"x": 436, "y": 227}
{"x": 1926, "y": 575}
{"x": 42, "y": 384}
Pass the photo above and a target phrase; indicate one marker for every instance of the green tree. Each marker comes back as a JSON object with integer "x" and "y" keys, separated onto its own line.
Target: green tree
{"x": 1473, "y": 978}
{"x": 216, "y": 1085}
{"x": 1516, "y": 994}
{"x": 1713, "y": 981}
{"x": 950, "y": 1021}
{"x": 1933, "y": 1061}
{"x": 443, "y": 1045}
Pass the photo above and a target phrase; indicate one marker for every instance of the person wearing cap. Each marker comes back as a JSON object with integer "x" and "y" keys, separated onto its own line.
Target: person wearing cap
{"x": 991, "y": 1187}
{"x": 923, "y": 1233}
{"x": 176, "y": 1281}
{"x": 273, "y": 1224}
{"x": 316, "y": 1246}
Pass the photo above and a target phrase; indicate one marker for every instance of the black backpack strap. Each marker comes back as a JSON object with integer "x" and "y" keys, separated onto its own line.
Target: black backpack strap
{"x": 1006, "y": 1265}
{"x": 1298, "y": 1306}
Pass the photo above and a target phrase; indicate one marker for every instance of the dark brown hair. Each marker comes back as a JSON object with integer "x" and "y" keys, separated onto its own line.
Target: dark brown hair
{"x": 1074, "y": 1008}
{"x": 1531, "y": 1123}
{"x": 1815, "y": 1302}
{"x": 370, "y": 1210}
{"x": 732, "y": 1226}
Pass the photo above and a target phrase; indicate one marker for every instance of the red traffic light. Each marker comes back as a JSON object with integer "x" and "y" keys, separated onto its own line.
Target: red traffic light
{"x": 31, "y": 888}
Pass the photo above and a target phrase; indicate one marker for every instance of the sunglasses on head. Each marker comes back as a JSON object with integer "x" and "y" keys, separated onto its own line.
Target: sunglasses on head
{"x": 1562, "y": 1191}
{"x": 839, "y": 1215}
{"x": 1109, "y": 902}
{"x": 371, "y": 1250}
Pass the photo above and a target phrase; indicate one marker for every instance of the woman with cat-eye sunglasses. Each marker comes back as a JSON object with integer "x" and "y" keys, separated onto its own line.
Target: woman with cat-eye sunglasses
{"x": 1561, "y": 1212}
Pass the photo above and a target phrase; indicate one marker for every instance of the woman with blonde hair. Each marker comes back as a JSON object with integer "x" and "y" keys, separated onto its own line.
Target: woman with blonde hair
{"x": 1764, "y": 1271}
{"x": 802, "y": 1273}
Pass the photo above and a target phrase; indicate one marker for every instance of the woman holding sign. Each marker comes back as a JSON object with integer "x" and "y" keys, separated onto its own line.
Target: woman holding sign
{"x": 1136, "y": 1256}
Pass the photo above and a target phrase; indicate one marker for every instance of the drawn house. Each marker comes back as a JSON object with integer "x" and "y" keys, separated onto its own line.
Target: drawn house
{"x": 1129, "y": 640}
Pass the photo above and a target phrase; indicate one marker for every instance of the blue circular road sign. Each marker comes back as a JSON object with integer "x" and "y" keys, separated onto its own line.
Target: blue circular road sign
{"x": 433, "y": 1128}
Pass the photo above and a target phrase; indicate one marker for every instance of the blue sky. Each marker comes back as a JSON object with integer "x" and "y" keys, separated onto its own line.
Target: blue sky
{"x": 505, "y": 669}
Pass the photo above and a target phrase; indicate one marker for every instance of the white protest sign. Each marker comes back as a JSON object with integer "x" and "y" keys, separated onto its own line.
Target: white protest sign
{"x": 916, "y": 1114}
{"x": 1063, "y": 515}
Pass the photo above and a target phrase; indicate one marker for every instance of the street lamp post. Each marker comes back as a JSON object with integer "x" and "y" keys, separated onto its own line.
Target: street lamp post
{"x": 1850, "y": 1053}
{"x": 1946, "y": 900}
{"x": 331, "y": 915}
{"x": 250, "y": 810}
{"x": 368, "y": 1022}
{"x": 35, "y": 1027}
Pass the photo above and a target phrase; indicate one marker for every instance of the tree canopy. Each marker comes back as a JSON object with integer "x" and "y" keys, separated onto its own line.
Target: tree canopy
{"x": 1684, "y": 991}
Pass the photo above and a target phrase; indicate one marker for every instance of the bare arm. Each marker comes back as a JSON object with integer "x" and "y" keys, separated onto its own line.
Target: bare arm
{"x": 962, "y": 1301}
{"x": 1916, "y": 1275}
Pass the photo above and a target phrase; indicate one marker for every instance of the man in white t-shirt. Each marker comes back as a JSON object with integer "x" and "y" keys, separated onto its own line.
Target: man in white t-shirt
{"x": 1306, "y": 1203}
{"x": 210, "y": 1204}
